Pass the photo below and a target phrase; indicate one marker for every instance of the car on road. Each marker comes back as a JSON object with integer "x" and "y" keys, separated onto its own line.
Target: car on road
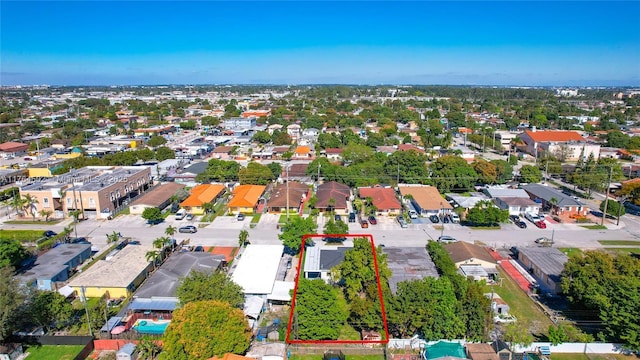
{"x": 49, "y": 233}
{"x": 446, "y": 239}
{"x": 188, "y": 229}
{"x": 372, "y": 220}
{"x": 364, "y": 224}
{"x": 240, "y": 217}
{"x": 434, "y": 219}
{"x": 544, "y": 241}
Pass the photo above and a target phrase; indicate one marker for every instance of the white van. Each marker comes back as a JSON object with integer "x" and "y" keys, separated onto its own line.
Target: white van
{"x": 181, "y": 214}
{"x": 455, "y": 218}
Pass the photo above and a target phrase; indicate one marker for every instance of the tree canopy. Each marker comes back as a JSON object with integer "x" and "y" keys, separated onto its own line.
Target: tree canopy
{"x": 12, "y": 253}
{"x": 11, "y": 302}
{"x": 255, "y": 174}
{"x": 291, "y": 237}
{"x": 485, "y": 213}
{"x": 452, "y": 172}
{"x": 199, "y": 286}
{"x": 203, "y": 329}
{"x": 219, "y": 171}
{"x": 319, "y": 313}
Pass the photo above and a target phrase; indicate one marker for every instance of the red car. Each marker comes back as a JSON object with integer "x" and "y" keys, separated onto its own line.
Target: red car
{"x": 541, "y": 224}
{"x": 372, "y": 220}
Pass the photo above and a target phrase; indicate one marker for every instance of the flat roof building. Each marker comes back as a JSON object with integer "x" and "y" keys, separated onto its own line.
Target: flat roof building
{"x": 258, "y": 268}
{"x": 56, "y": 265}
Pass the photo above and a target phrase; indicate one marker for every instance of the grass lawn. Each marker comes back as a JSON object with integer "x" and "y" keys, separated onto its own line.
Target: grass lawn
{"x": 21, "y": 235}
{"x": 522, "y": 307}
{"x": 256, "y": 218}
{"x": 624, "y": 250}
{"x": 31, "y": 222}
{"x": 594, "y": 227}
{"x": 283, "y": 217}
{"x": 54, "y": 352}
{"x": 618, "y": 242}
{"x": 570, "y": 251}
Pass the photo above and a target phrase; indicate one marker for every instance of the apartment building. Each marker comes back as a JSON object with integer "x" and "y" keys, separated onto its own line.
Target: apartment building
{"x": 96, "y": 191}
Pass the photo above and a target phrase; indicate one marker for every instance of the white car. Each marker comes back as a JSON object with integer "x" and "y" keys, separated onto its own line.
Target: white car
{"x": 413, "y": 214}
{"x": 455, "y": 218}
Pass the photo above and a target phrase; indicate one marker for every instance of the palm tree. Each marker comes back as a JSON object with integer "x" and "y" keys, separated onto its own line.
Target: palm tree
{"x": 161, "y": 244}
{"x": 170, "y": 230}
{"x": 243, "y": 238}
{"x": 152, "y": 256}
{"x": 45, "y": 214}
{"x": 113, "y": 237}
{"x": 30, "y": 205}
{"x": 147, "y": 349}
{"x": 18, "y": 203}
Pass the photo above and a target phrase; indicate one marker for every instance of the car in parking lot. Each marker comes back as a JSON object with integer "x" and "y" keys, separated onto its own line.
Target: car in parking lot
{"x": 199, "y": 249}
{"x": 189, "y": 217}
{"x": 372, "y": 220}
{"x": 80, "y": 240}
{"x": 446, "y": 239}
{"x": 188, "y": 229}
{"x": 49, "y": 233}
{"x": 352, "y": 217}
{"x": 364, "y": 224}
{"x": 413, "y": 214}
{"x": 541, "y": 224}
{"x": 434, "y": 219}
{"x": 455, "y": 218}
{"x": 240, "y": 217}
{"x": 518, "y": 221}
{"x": 337, "y": 217}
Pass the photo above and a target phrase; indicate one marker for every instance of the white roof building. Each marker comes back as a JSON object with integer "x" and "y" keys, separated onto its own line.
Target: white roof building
{"x": 258, "y": 268}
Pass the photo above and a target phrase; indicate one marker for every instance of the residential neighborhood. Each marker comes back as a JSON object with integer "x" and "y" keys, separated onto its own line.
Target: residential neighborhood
{"x": 433, "y": 226}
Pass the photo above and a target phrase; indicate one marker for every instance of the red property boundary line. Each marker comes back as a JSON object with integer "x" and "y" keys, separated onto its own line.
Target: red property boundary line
{"x": 384, "y": 341}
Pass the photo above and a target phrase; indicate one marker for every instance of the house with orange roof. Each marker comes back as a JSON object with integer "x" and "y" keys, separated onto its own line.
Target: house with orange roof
{"x": 230, "y": 356}
{"x": 200, "y": 195}
{"x": 426, "y": 199}
{"x": 561, "y": 144}
{"x": 383, "y": 198}
{"x": 245, "y": 199}
{"x": 256, "y": 113}
{"x": 302, "y": 153}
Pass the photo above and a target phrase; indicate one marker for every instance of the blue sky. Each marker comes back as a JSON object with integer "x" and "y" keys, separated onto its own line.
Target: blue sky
{"x": 300, "y": 42}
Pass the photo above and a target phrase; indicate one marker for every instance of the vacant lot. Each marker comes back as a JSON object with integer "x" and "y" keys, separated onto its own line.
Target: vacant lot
{"x": 21, "y": 235}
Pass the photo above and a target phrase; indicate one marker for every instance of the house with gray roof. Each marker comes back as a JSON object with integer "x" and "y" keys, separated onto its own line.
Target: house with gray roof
{"x": 546, "y": 265}
{"x": 55, "y": 265}
{"x": 319, "y": 261}
{"x": 408, "y": 263}
{"x": 555, "y": 200}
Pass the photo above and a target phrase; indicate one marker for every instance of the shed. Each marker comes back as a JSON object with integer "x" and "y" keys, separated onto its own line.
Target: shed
{"x": 127, "y": 352}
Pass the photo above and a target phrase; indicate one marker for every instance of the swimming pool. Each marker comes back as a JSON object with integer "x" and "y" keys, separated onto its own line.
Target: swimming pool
{"x": 150, "y": 326}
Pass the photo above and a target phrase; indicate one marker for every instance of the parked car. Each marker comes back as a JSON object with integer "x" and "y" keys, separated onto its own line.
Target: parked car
{"x": 199, "y": 249}
{"x": 446, "y": 239}
{"x": 49, "y": 233}
{"x": 455, "y": 218}
{"x": 352, "y": 217}
{"x": 337, "y": 217}
{"x": 544, "y": 241}
{"x": 80, "y": 240}
{"x": 189, "y": 217}
{"x": 402, "y": 221}
{"x": 188, "y": 229}
{"x": 364, "y": 224}
{"x": 413, "y": 214}
{"x": 372, "y": 220}
{"x": 541, "y": 224}
{"x": 434, "y": 219}
{"x": 240, "y": 217}
{"x": 445, "y": 219}
{"x": 518, "y": 221}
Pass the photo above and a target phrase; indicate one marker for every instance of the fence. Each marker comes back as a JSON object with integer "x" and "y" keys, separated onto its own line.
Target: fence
{"x": 347, "y": 349}
{"x": 87, "y": 341}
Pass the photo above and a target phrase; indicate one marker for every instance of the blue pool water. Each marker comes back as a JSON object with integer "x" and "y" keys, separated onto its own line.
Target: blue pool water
{"x": 151, "y": 327}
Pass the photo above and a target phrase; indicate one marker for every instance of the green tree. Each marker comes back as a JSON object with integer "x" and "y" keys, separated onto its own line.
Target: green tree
{"x": 12, "y": 253}
{"x": 452, "y": 172}
{"x": 332, "y": 227}
{"x": 12, "y": 299}
{"x": 199, "y": 286}
{"x": 152, "y": 215}
{"x": 148, "y": 349}
{"x": 203, "y": 329}
{"x": 113, "y": 237}
{"x": 170, "y": 230}
{"x": 319, "y": 314}
{"x": 530, "y": 174}
{"x": 50, "y": 309}
{"x": 243, "y": 238}
{"x": 613, "y": 207}
{"x": 262, "y": 137}
{"x": 485, "y": 213}
{"x": 255, "y": 174}
{"x": 487, "y": 172}
{"x": 291, "y": 237}
{"x": 504, "y": 171}
{"x": 219, "y": 171}
{"x": 163, "y": 153}
{"x": 517, "y": 333}
{"x": 156, "y": 141}
{"x": 556, "y": 335}
{"x": 45, "y": 214}
{"x": 276, "y": 169}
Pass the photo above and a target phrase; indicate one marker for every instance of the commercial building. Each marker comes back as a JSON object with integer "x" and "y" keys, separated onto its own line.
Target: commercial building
{"x": 96, "y": 191}
{"x": 563, "y": 145}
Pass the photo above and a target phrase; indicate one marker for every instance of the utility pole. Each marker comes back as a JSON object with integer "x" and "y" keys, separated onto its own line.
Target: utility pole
{"x": 86, "y": 309}
{"x": 620, "y": 205}
{"x": 398, "y": 174}
{"x": 606, "y": 198}
{"x": 287, "y": 193}
{"x": 546, "y": 170}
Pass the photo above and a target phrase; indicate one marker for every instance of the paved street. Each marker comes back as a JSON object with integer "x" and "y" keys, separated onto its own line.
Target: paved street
{"x": 225, "y": 229}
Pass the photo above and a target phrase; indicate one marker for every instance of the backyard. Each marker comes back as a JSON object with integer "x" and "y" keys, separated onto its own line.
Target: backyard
{"x": 21, "y": 235}
{"x": 53, "y": 352}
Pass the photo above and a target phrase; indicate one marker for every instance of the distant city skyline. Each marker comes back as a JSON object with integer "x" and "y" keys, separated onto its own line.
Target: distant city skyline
{"x": 519, "y": 43}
